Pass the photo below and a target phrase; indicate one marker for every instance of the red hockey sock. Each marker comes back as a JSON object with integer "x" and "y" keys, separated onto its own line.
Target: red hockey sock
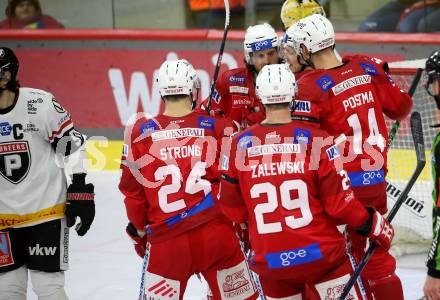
{"x": 388, "y": 287}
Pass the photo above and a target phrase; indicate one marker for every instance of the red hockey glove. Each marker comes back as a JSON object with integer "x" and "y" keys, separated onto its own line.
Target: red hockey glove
{"x": 377, "y": 229}
{"x": 140, "y": 242}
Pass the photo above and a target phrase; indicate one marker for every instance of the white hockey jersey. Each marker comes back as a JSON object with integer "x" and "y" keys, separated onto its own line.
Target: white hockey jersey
{"x": 32, "y": 184}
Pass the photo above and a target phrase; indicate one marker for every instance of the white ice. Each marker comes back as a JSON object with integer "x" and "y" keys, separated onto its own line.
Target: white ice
{"x": 104, "y": 266}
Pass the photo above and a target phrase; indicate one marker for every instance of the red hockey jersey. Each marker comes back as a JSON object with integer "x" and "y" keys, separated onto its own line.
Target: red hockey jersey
{"x": 283, "y": 181}
{"x": 351, "y": 99}
{"x": 234, "y": 98}
{"x": 170, "y": 172}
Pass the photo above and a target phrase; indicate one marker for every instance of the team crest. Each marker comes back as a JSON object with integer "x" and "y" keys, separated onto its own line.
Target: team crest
{"x": 15, "y": 161}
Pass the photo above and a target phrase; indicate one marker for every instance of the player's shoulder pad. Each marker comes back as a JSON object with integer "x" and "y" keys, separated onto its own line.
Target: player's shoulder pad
{"x": 313, "y": 83}
{"x": 244, "y": 139}
{"x": 41, "y": 101}
{"x": 142, "y": 128}
{"x": 371, "y": 65}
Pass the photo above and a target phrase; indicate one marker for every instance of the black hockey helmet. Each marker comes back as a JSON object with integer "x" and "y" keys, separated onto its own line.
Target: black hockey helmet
{"x": 433, "y": 66}
{"x": 8, "y": 62}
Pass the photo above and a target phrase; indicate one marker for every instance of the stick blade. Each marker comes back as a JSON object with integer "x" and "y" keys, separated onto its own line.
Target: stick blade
{"x": 417, "y": 134}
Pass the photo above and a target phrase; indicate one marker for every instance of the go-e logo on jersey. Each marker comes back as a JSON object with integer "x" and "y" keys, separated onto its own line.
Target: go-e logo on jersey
{"x": 366, "y": 178}
{"x": 293, "y": 257}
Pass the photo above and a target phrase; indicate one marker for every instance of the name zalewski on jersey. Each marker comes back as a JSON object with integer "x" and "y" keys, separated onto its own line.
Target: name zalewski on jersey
{"x": 28, "y": 162}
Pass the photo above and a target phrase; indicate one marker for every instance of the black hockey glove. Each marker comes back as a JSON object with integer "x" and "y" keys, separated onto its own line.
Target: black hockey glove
{"x": 80, "y": 203}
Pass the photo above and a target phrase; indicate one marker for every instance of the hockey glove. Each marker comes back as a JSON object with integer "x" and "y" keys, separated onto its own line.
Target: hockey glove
{"x": 80, "y": 203}
{"x": 377, "y": 229}
{"x": 138, "y": 238}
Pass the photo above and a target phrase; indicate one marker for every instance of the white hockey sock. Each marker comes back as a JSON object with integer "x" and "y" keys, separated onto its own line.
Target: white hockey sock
{"x": 13, "y": 284}
{"x": 48, "y": 286}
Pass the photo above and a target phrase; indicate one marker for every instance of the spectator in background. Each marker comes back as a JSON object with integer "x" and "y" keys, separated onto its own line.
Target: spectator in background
{"x": 27, "y": 14}
{"x": 404, "y": 16}
{"x": 422, "y": 16}
{"x": 211, "y": 13}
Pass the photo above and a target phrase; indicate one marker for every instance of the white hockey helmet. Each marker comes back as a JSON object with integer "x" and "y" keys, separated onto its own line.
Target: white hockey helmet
{"x": 275, "y": 84}
{"x": 259, "y": 37}
{"x": 315, "y": 32}
{"x": 177, "y": 77}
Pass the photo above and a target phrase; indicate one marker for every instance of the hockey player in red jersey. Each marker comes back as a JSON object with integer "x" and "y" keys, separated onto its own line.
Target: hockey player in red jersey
{"x": 234, "y": 94}
{"x": 170, "y": 182}
{"x": 350, "y": 97}
{"x": 281, "y": 178}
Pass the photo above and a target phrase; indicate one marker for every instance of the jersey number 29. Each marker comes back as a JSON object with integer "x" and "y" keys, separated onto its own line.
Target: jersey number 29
{"x": 285, "y": 191}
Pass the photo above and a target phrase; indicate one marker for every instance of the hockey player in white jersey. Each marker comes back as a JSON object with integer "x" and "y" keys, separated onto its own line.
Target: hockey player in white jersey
{"x": 37, "y": 141}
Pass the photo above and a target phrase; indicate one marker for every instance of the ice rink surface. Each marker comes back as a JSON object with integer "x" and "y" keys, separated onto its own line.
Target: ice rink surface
{"x": 104, "y": 266}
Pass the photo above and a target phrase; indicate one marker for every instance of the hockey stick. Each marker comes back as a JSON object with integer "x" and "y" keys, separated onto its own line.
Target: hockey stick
{"x": 220, "y": 55}
{"x": 144, "y": 270}
{"x": 411, "y": 91}
{"x": 419, "y": 145}
{"x": 255, "y": 278}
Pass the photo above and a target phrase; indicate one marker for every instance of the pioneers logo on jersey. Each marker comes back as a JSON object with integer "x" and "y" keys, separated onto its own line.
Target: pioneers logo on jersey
{"x": 293, "y": 257}
{"x": 15, "y": 161}
{"x": 351, "y": 82}
{"x": 325, "y": 82}
{"x": 5, "y": 129}
{"x": 302, "y": 106}
{"x": 58, "y": 106}
{"x": 6, "y": 258}
{"x": 301, "y": 136}
{"x": 177, "y": 133}
{"x": 206, "y": 122}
